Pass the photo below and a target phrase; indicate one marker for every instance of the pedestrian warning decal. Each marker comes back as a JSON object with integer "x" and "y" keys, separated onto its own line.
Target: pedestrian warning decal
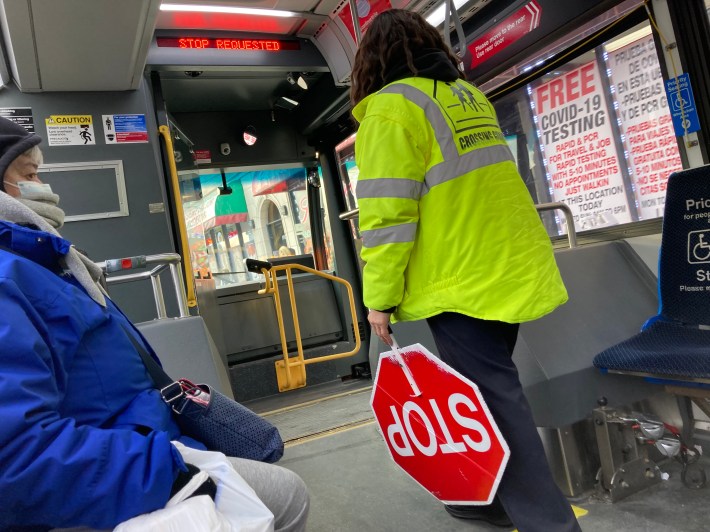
{"x": 124, "y": 129}
{"x": 70, "y": 130}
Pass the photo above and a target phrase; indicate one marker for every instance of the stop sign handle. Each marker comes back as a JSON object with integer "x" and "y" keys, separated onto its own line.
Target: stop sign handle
{"x": 397, "y": 355}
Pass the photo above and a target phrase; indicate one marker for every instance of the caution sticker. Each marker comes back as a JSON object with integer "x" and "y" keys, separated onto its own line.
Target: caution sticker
{"x": 70, "y": 130}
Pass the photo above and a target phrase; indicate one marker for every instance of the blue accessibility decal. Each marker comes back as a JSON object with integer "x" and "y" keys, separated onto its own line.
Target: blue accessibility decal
{"x": 682, "y": 105}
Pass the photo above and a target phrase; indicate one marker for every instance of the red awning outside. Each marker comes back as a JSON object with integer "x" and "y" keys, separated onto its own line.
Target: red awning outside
{"x": 272, "y": 185}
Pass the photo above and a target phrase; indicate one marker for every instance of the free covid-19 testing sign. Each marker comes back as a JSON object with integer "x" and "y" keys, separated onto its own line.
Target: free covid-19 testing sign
{"x": 579, "y": 153}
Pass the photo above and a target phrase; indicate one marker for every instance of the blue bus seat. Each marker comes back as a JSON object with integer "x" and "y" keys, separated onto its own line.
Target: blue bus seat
{"x": 673, "y": 347}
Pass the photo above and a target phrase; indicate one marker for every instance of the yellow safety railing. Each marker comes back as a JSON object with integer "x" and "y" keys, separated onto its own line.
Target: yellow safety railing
{"x": 180, "y": 215}
{"x": 291, "y": 371}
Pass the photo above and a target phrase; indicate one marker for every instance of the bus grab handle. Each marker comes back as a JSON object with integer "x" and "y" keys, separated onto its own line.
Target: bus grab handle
{"x": 160, "y": 262}
{"x": 569, "y": 218}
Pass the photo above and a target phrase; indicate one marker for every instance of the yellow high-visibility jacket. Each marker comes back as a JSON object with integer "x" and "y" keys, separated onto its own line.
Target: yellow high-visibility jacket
{"x": 447, "y": 223}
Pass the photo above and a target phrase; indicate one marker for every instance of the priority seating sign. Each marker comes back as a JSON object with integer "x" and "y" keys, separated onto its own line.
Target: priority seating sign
{"x": 445, "y": 437}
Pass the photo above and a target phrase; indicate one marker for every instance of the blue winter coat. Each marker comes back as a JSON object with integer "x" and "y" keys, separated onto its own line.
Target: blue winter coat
{"x": 84, "y": 437}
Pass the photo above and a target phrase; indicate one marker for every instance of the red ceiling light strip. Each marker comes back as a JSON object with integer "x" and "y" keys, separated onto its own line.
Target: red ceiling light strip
{"x": 232, "y": 10}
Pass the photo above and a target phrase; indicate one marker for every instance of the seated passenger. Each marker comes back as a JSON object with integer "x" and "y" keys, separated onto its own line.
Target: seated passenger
{"x": 86, "y": 439}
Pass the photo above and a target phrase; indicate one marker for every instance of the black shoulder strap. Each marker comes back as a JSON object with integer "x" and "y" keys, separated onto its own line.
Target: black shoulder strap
{"x": 4, "y": 248}
{"x": 160, "y": 378}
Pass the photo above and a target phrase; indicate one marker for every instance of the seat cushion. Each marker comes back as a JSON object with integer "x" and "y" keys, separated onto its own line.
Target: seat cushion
{"x": 664, "y": 348}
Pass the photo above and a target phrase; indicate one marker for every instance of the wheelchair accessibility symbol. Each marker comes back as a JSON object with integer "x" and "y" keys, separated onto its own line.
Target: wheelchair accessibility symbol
{"x": 680, "y": 100}
{"x": 699, "y": 247}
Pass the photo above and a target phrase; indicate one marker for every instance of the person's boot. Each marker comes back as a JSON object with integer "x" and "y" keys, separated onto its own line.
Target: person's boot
{"x": 493, "y": 514}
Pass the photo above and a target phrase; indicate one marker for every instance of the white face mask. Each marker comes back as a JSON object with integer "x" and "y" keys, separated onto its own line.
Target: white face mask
{"x": 31, "y": 189}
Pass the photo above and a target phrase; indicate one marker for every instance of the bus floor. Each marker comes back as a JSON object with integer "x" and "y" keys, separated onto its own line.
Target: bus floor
{"x": 332, "y": 442}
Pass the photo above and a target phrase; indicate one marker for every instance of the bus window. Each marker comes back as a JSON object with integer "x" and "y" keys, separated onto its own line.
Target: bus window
{"x": 266, "y": 211}
{"x": 596, "y": 133}
{"x": 348, "y": 170}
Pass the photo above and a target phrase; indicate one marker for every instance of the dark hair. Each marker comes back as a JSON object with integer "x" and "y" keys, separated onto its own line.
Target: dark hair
{"x": 393, "y": 38}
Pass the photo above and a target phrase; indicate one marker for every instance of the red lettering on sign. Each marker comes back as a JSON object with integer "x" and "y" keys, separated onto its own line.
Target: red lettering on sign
{"x": 572, "y": 85}
{"x": 194, "y": 43}
{"x": 565, "y": 89}
{"x": 587, "y": 75}
{"x": 557, "y": 89}
{"x": 200, "y": 43}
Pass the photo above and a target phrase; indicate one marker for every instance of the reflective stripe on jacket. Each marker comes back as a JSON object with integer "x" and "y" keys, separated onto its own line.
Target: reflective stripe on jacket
{"x": 447, "y": 223}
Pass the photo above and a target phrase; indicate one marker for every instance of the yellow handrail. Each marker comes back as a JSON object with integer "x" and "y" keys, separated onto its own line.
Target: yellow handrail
{"x": 286, "y": 380}
{"x": 180, "y": 215}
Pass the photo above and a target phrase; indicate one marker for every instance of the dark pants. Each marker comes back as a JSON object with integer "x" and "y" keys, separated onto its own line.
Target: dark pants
{"x": 482, "y": 351}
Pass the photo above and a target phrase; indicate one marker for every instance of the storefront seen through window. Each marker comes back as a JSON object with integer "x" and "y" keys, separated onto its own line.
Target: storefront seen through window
{"x": 265, "y": 216}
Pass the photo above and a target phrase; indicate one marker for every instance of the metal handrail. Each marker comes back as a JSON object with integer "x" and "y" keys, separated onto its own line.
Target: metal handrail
{"x": 161, "y": 262}
{"x": 349, "y": 215}
{"x": 571, "y": 231}
{"x": 569, "y": 218}
{"x": 271, "y": 286}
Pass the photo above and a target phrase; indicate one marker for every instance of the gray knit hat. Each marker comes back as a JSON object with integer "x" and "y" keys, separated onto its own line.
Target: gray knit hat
{"x": 14, "y": 141}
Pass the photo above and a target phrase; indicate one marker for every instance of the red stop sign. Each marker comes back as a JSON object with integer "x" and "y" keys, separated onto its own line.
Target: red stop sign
{"x": 444, "y": 438}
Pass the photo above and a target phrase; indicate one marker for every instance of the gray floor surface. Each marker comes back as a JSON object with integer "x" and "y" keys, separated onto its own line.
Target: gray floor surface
{"x": 333, "y": 444}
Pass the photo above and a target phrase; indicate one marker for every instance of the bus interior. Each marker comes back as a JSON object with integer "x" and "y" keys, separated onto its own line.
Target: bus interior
{"x": 211, "y": 145}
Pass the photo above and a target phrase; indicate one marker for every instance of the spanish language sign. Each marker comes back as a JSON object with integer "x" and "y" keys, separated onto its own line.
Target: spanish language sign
{"x": 578, "y": 147}
{"x": 646, "y": 123}
{"x": 70, "y": 130}
{"x": 124, "y": 129}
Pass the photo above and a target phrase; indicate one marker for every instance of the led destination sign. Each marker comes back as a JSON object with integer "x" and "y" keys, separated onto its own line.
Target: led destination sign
{"x": 244, "y": 45}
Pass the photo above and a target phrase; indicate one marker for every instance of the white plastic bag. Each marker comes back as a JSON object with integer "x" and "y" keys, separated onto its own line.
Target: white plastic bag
{"x": 236, "y": 507}
{"x": 196, "y": 513}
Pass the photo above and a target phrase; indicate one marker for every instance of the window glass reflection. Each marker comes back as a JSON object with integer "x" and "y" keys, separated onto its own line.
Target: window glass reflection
{"x": 596, "y": 133}
{"x": 265, "y": 216}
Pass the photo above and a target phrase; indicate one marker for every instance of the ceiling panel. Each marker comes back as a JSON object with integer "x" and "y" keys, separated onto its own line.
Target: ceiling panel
{"x": 103, "y": 49}
{"x": 222, "y": 91}
{"x": 16, "y": 25}
{"x": 202, "y": 95}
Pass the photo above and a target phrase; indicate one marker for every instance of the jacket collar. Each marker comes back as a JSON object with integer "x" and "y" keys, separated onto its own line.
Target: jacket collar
{"x": 430, "y": 63}
{"x": 43, "y": 248}
{"x": 360, "y": 110}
